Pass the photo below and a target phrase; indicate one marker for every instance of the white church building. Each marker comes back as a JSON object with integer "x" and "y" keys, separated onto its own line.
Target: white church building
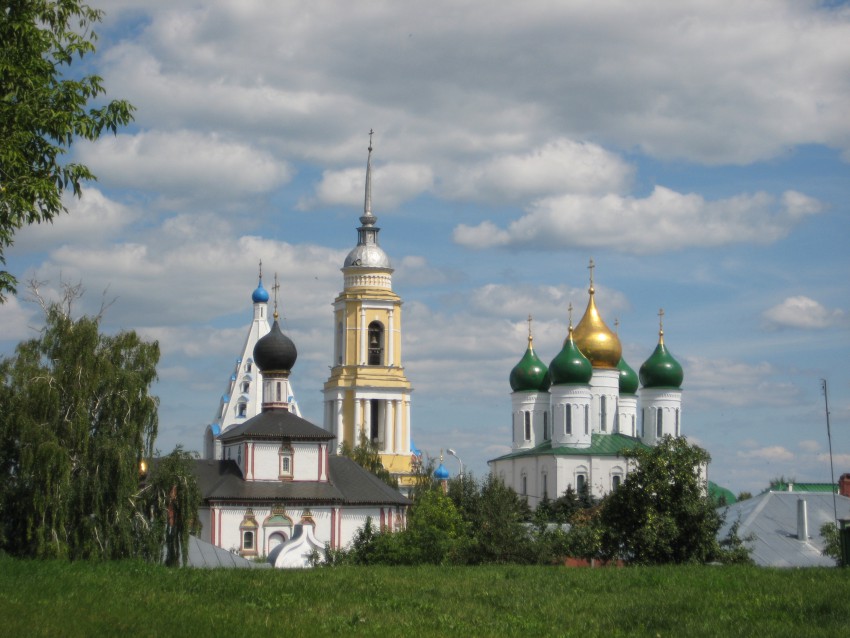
{"x": 272, "y": 483}
{"x": 571, "y": 420}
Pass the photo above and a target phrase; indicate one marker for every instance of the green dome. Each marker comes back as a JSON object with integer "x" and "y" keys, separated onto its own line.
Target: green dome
{"x": 570, "y": 365}
{"x": 661, "y": 370}
{"x": 628, "y": 378}
{"x": 530, "y": 373}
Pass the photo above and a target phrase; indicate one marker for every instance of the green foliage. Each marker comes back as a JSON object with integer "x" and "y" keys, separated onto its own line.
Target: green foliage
{"x": 435, "y": 534}
{"x": 662, "y": 513}
{"x": 733, "y": 549}
{"x": 172, "y": 499}
{"x": 43, "y": 109}
{"x": 78, "y": 420}
{"x": 54, "y": 598}
{"x": 367, "y": 456}
{"x": 498, "y": 525}
{"x": 832, "y": 543}
{"x": 743, "y": 496}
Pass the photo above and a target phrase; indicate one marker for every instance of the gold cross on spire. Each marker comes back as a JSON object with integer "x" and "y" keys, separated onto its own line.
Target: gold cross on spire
{"x": 529, "y": 330}
{"x": 275, "y": 288}
{"x": 570, "y": 313}
{"x": 371, "y": 133}
{"x": 590, "y": 267}
{"x": 661, "y": 325}
{"x": 261, "y": 270}
{"x": 616, "y": 324}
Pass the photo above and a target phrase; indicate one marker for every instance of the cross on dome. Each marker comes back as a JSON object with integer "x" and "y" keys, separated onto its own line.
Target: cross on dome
{"x": 275, "y": 288}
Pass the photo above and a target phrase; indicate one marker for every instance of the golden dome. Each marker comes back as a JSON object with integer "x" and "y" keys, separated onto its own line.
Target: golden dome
{"x": 596, "y": 340}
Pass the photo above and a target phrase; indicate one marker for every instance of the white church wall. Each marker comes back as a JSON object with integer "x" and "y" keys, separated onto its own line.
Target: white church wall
{"x": 305, "y": 461}
{"x": 604, "y": 391}
{"x": 266, "y": 461}
{"x": 627, "y": 415}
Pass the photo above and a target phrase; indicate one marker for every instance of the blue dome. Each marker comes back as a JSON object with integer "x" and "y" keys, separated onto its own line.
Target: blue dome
{"x": 260, "y": 295}
{"x": 216, "y": 429}
{"x": 441, "y": 473}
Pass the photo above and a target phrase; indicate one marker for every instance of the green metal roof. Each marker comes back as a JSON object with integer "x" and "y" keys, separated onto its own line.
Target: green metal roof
{"x": 600, "y": 445}
{"x": 720, "y": 494}
{"x": 805, "y": 487}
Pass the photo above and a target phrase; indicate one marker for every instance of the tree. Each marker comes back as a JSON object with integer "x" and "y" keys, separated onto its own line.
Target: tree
{"x": 77, "y": 421}
{"x": 172, "y": 499}
{"x": 498, "y": 525}
{"x": 662, "y": 513}
{"x": 832, "y": 543}
{"x": 42, "y": 111}
{"x": 367, "y": 456}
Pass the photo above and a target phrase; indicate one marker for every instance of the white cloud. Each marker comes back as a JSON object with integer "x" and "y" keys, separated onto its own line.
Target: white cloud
{"x": 185, "y": 164}
{"x": 546, "y": 303}
{"x": 724, "y": 382}
{"x": 560, "y": 166}
{"x": 392, "y": 184}
{"x": 663, "y": 221}
{"x": 701, "y": 81}
{"x": 90, "y": 219}
{"x": 809, "y": 446}
{"x": 18, "y": 319}
{"x": 771, "y": 453}
{"x": 802, "y": 312}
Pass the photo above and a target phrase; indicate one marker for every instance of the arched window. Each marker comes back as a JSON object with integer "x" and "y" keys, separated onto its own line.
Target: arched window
{"x": 546, "y": 425}
{"x": 241, "y": 409}
{"x": 524, "y": 484}
{"x": 246, "y": 385}
{"x": 285, "y": 461}
{"x": 248, "y": 529}
{"x": 581, "y": 483}
{"x": 658, "y": 422}
{"x": 568, "y": 419}
{"x": 376, "y": 344}
{"x": 603, "y": 412}
{"x": 249, "y": 365}
{"x": 586, "y": 420}
{"x": 374, "y": 419}
{"x": 615, "y": 481}
{"x": 527, "y": 417}
{"x": 545, "y": 485}
{"x": 677, "y": 421}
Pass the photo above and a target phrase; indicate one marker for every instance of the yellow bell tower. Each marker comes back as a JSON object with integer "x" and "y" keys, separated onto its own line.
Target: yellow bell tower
{"x": 367, "y": 394}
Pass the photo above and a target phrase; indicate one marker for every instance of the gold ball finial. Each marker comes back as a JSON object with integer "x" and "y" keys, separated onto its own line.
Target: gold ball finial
{"x": 661, "y": 325}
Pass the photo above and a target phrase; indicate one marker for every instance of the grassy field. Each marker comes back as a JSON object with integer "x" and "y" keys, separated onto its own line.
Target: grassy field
{"x": 55, "y": 598}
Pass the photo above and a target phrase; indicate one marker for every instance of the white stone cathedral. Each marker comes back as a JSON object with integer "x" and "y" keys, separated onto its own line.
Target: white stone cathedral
{"x": 572, "y": 419}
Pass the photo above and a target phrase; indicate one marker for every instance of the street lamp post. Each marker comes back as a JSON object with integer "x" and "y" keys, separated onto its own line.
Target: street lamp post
{"x": 454, "y": 454}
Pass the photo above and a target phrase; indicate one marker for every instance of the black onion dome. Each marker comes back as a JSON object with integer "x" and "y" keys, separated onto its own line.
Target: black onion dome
{"x": 275, "y": 352}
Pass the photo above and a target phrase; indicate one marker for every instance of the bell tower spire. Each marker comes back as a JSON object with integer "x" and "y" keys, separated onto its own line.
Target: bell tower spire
{"x": 367, "y": 396}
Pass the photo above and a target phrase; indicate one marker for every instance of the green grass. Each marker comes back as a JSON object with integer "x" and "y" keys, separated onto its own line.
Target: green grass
{"x": 76, "y": 599}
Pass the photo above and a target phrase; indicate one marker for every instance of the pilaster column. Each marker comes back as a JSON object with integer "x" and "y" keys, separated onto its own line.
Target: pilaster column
{"x": 361, "y": 356}
{"x": 358, "y": 421}
{"x": 399, "y": 442}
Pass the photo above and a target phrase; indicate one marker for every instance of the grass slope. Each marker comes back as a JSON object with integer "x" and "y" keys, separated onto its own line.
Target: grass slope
{"x": 76, "y": 599}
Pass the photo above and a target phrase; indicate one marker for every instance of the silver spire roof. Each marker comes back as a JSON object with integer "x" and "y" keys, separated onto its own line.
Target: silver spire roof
{"x": 367, "y": 253}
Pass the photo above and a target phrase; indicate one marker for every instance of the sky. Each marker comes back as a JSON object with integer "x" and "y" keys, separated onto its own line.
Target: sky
{"x": 696, "y": 151}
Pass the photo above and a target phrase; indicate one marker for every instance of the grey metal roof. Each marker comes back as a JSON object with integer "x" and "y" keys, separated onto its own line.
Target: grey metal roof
{"x": 772, "y": 518}
{"x": 277, "y": 423}
{"x": 360, "y": 487}
{"x": 349, "y": 484}
{"x": 207, "y": 555}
